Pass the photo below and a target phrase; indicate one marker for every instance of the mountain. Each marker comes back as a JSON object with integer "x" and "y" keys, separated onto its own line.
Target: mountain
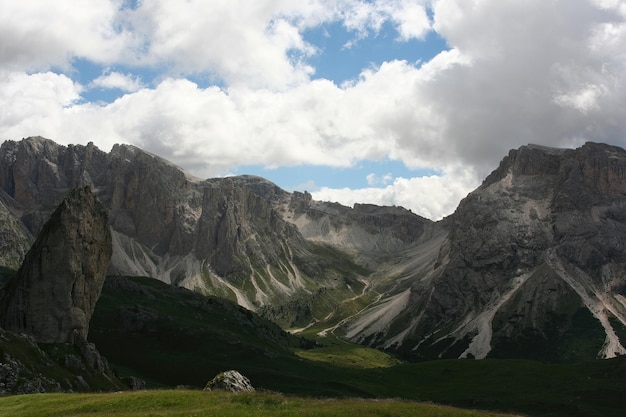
{"x": 224, "y": 236}
{"x": 530, "y": 265}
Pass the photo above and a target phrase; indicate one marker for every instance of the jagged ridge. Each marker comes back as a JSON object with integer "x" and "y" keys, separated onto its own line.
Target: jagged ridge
{"x": 530, "y": 264}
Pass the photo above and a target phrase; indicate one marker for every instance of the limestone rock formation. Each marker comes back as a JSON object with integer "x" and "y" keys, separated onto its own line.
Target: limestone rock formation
{"x": 54, "y": 293}
{"x": 231, "y": 237}
{"x": 530, "y": 264}
{"x": 231, "y": 381}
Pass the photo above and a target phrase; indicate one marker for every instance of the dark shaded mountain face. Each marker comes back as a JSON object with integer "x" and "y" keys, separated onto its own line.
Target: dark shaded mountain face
{"x": 46, "y": 305}
{"x": 530, "y": 265}
{"x": 55, "y": 291}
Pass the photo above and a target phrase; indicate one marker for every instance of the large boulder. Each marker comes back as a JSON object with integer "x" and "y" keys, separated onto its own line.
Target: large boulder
{"x": 54, "y": 293}
{"x": 230, "y": 381}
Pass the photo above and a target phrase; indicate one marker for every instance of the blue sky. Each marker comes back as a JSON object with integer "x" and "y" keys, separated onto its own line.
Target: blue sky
{"x": 392, "y": 102}
{"x": 341, "y": 56}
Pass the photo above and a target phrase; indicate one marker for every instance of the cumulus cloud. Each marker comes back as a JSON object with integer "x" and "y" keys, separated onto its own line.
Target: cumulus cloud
{"x": 242, "y": 43}
{"x": 374, "y": 180}
{"x": 34, "y": 103}
{"x": 432, "y": 196}
{"x": 516, "y": 72}
{"x": 530, "y": 68}
{"x": 124, "y": 82}
{"x": 40, "y": 34}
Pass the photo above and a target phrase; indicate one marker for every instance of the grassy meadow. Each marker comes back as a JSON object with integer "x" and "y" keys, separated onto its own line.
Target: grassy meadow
{"x": 181, "y": 403}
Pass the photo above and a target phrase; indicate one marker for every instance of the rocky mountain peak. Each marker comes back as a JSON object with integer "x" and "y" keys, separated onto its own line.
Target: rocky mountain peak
{"x": 54, "y": 293}
{"x": 525, "y": 161}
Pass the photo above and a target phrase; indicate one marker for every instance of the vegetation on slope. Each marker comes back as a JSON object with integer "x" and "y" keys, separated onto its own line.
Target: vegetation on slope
{"x": 199, "y": 403}
{"x": 26, "y": 366}
{"x": 188, "y": 338}
{"x": 171, "y": 336}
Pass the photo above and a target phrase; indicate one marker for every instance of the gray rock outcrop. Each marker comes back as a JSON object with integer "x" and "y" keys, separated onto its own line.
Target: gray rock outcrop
{"x": 231, "y": 381}
{"x": 54, "y": 293}
{"x": 231, "y": 237}
{"x": 529, "y": 265}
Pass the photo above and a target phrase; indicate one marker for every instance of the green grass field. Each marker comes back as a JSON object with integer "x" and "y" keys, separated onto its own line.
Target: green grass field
{"x": 349, "y": 356}
{"x": 179, "y": 403}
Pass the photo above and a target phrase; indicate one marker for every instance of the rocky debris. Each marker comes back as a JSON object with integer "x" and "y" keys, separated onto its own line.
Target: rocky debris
{"x": 91, "y": 356}
{"x": 55, "y": 290}
{"x": 27, "y": 368}
{"x": 12, "y": 380}
{"x": 231, "y": 381}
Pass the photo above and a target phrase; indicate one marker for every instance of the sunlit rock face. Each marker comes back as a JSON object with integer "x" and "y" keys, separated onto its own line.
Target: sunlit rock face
{"x": 532, "y": 265}
{"x": 55, "y": 291}
{"x": 232, "y": 381}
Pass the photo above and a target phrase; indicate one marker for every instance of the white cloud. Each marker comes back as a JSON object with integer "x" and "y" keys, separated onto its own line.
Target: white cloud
{"x": 523, "y": 56}
{"x": 247, "y": 43}
{"x": 116, "y": 80}
{"x": 34, "y": 104}
{"x": 516, "y": 72}
{"x": 432, "y": 196}
{"x": 411, "y": 20}
{"x": 373, "y": 179}
{"x": 583, "y": 100}
{"x": 40, "y": 34}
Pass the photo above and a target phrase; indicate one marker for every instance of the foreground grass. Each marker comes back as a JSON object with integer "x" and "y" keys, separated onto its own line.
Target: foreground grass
{"x": 200, "y": 403}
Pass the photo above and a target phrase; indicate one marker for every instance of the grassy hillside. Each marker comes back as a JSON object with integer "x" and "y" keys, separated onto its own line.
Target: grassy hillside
{"x": 28, "y": 367}
{"x": 198, "y": 403}
{"x": 170, "y": 336}
{"x": 586, "y": 389}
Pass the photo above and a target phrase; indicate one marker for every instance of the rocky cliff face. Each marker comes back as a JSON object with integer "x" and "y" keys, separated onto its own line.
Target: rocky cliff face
{"x": 54, "y": 293}
{"x": 233, "y": 237}
{"x": 532, "y": 266}
{"x": 14, "y": 239}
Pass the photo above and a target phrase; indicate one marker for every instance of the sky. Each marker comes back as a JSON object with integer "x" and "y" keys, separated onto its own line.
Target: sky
{"x": 392, "y": 102}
